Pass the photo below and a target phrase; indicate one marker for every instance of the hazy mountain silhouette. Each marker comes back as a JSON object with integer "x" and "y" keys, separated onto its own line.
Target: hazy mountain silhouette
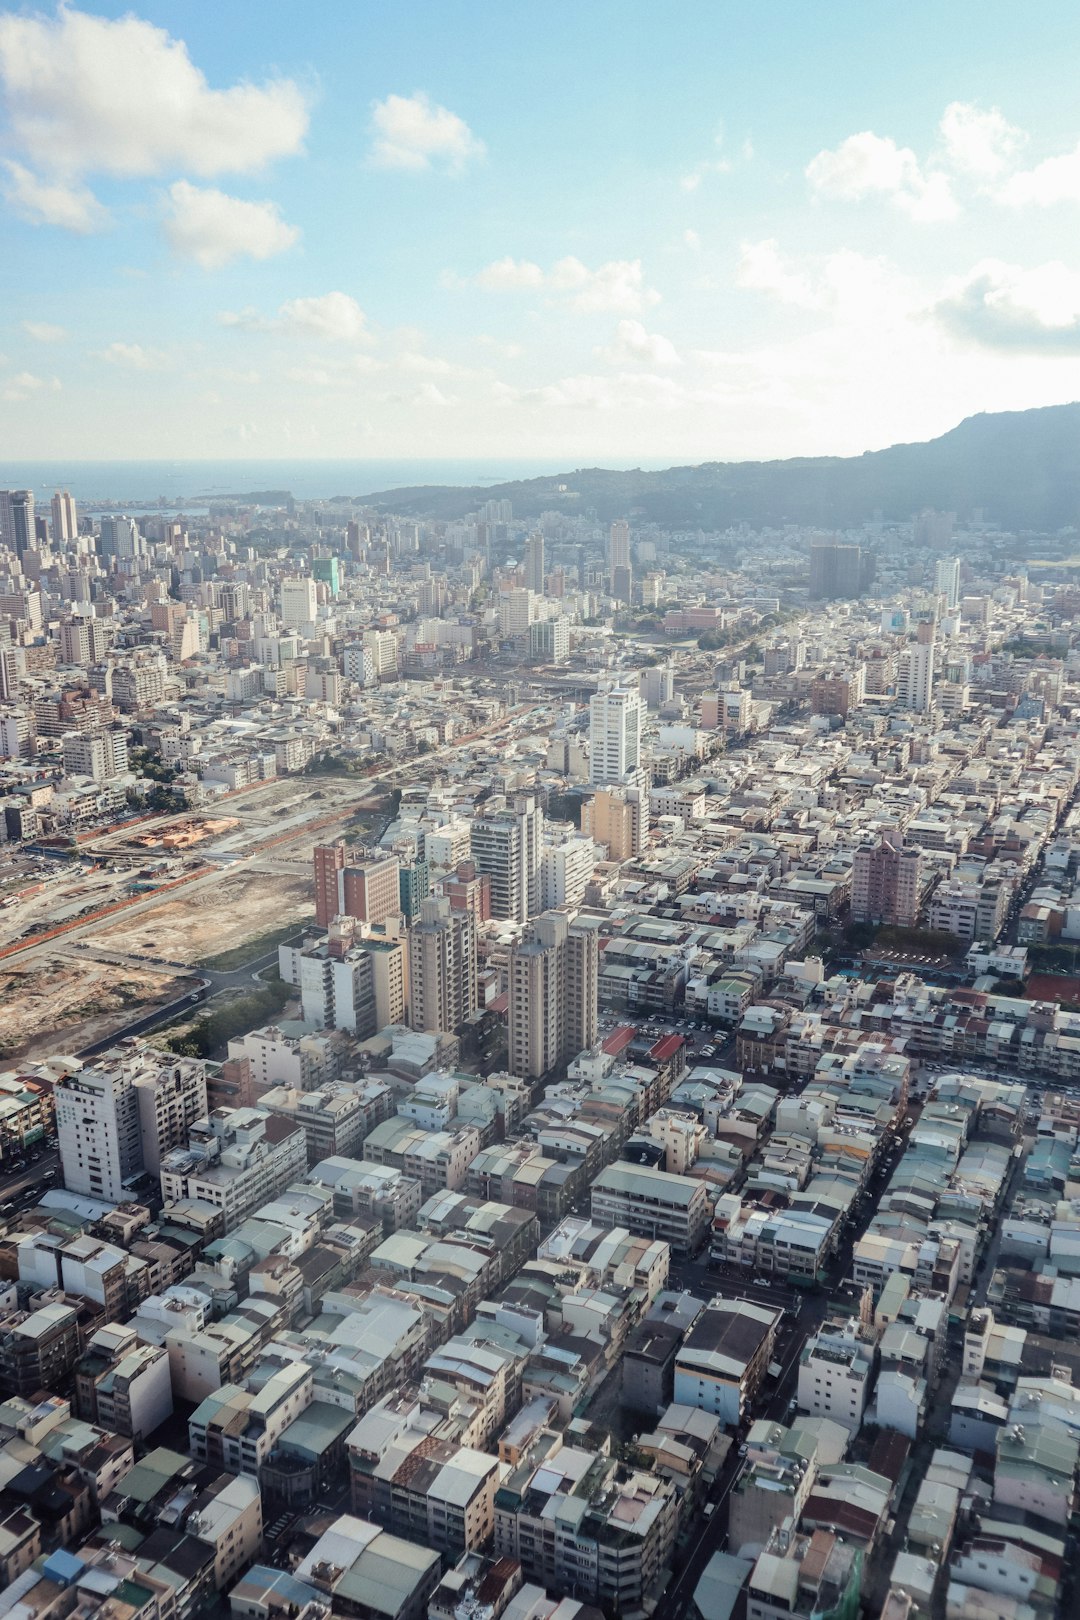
{"x": 1021, "y": 467}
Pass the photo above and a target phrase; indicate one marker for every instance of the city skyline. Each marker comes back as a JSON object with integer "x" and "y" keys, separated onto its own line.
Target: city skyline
{"x": 724, "y": 235}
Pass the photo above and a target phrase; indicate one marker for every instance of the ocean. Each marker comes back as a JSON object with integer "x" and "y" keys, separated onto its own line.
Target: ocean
{"x": 164, "y": 484}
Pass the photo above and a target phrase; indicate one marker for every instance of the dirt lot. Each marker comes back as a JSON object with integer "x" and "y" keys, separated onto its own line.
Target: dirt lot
{"x": 60, "y": 1005}
{"x": 211, "y": 919}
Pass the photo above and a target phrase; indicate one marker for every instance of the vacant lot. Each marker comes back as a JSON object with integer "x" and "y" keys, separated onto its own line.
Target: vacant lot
{"x": 213, "y": 918}
{"x": 61, "y": 1004}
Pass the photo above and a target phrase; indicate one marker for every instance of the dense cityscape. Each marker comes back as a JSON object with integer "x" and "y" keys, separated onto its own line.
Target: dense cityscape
{"x": 541, "y": 1064}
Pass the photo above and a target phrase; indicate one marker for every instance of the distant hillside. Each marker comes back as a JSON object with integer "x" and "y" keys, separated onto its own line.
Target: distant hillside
{"x": 1021, "y": 467}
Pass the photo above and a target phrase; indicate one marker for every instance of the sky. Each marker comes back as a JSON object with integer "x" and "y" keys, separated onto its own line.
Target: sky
{"x": 610, "y": 233}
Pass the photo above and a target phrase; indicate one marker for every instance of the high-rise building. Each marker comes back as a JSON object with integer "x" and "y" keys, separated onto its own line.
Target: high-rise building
{"x": 886, "y": 881}
{"x": 65, "y": 522}
{"x": 618, "y": 818}
{"x": 121, "y": 1114}
{"x": 915, "y": 674}
{"x": 517, "y": 610}
{"x": 100, "y": 754}
{"x": 658, "y": 685}
{"x": 120, "y": 538}
{"x": 353, "y": 882}
{"x": 614, "y": 733}
{"x": 947, "y": 581}
{"x": 619, "y": 546}
{"x": 170, "y": 1096}
{"x": 371, "y": 888}
{"x": 507, "y": 845}
{"x": 836, "y": 570}
{"x": 414, "y": 885}
{"x": 566, "y": 869}
{"x": 442, "y": 967}
{"x": 299, "y": 603}
{"x": 534, "y": 563}
{"x": 549, "y": 640}
{"x": 553, "y": 995}
{"x": 622, "y": 583}
{"x": 97, "y": 1126}
{"x": 17, "y": 520}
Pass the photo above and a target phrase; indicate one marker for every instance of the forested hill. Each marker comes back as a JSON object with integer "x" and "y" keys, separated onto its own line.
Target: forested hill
{"x": 1022, "y": 468}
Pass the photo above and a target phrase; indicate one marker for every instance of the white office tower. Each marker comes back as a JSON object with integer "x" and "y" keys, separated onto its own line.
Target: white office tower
{"x": 619, "y": 548}
{"x": 442, "y": 967}
{"x": 65, "y": 522}
{"x": 534, "y": 564}
{"x": 517, "y": 611}
{"x": 915, "y": 677}
{"x": 553, "y": 990}
{"x": 298, "y": 603}
{"x": 947, "y": 581}
{"x": 614, "y": 733}
{"x": 507, "y": 847}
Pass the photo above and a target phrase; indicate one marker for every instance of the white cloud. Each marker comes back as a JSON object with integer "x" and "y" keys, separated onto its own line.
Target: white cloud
{"x": 24, "y": 384}
{"x": 618, "y": 286}
{"x": 335, "y": 317}
{"x": 762, "y": 269}
{"x": 1055, "y": 180}
{"x": 413, "y": 132}
{"x": 692, "y": 240}
{"x": 134, "y": 357}
{"x": 978, "y": 143}
{"x": 87, "y": 94}
{"x": 509, "y": 274}
{"x": 212, "y": 228}
{"x": 633, "y": 345}
{"x": 1004, "y": 306}
{"x": 44, "y": 331}
{"x": 52, "y": 202}
{"x": 867, "y": 165}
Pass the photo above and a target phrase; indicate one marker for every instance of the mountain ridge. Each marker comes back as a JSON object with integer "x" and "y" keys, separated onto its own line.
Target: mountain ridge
{"x": 1022, "y": 468}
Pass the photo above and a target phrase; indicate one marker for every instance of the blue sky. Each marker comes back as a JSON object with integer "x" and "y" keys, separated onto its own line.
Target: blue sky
{"x": 603, "y": 232}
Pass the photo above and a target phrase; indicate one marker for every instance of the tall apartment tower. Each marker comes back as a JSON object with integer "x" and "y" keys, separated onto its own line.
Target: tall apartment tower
{"x": 619, "y": 546}
{"x": 915, "y": 676}
{"x": 618, "y": 818}
{"x": 169, "y": 1097}
{"x": 614, "y": 733}
{"x": 97, "y": 1124}
{"x": 836, "y": 570}
{"x": 329, "y": 882}
{"x": 885, "y": 881}
{"x": 65, "y": 522}
{"x": 534, "y": 563}
{"x": 355, "y": 883}
{"x": 442, "y": 967}
{"x": 507, "y": 846}
{"x": 553, "y": 995}
{"x": 17, "y": 520}
{"x": 947, "y": 581}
